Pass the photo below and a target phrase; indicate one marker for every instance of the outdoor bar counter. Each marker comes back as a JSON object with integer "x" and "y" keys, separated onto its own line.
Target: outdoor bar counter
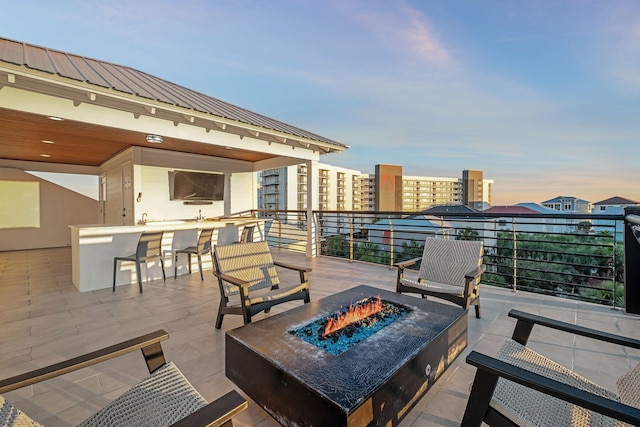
{"x": 93, "y": 248}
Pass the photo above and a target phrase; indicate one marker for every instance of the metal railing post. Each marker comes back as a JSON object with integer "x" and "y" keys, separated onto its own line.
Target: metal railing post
{"x": 613, "y": 266}
{"x": 317, "y": 231}
{"x": 391, "y": 241}
{"x": 515, "y": 255}
{"x": 279, "y": 229}
{"x": 351, "y": 238}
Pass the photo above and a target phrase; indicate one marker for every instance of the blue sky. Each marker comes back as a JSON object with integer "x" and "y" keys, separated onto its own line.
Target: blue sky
{"x": 543, "y": 96}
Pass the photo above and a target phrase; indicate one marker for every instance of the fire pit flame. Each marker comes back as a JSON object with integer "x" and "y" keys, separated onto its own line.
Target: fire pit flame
{"x": 338, "y": 332}
{"x": 354, "y": 314}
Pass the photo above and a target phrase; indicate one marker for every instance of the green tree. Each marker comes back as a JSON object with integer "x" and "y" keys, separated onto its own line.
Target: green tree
{"x": 368, "y": 252}
{"x": 553, "y": 263}
{"x": 583, "y": 227}
{"x": 410, "y": 250}
{"x": 337, "y": 246}
{"x": 468, "y": 234}
{"x": 607, "y": 292}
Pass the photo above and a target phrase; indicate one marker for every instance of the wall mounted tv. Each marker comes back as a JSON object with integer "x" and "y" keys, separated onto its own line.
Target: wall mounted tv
{"x": 185, "y": 185}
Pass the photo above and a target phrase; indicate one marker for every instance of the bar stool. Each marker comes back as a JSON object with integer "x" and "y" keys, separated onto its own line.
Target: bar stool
{"x": 203, "y": 247}
{"x": 149, "y": 249}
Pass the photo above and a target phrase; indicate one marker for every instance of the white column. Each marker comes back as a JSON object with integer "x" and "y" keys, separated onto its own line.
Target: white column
{"x": 312, "y": 203}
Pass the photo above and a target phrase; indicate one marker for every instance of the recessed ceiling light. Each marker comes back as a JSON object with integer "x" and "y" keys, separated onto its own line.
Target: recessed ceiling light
{"x": 46, "y": 141}
{"x": 59, "y": 119}
{"x": 45, "y": 155}
{"x": 228, "y": 148}
{"x": 154, "y": 139}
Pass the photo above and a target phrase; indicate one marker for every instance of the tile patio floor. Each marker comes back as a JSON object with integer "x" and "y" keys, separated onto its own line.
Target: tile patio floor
{"x": 46, "y": 320}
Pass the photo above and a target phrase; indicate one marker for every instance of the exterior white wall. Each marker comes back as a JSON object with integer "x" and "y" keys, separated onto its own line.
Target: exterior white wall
{"x": 244, "y": 188}
{"x": 150, "y": 170}
{"x": 155, "y": 201}
{"x": 59, "y": 207}
{"x": 289, "y": 187}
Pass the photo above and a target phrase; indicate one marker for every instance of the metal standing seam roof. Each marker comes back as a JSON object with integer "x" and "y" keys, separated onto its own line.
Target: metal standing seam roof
{"x": 617, "y": 200}
{"x": 514, "y": 209}
{"x": 138, "y": 83}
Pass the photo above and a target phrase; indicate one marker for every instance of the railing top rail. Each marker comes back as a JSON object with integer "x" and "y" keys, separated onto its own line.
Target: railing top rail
{"x": 634, "y": 219}
{"x": 465, "y": 215}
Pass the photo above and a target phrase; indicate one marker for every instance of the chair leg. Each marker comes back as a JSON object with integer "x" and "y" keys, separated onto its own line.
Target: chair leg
{"x": 139, "y": 274}
{"x": 189, "y": 262}
{"x": 175, "y": 266}
{"x": 220, "y": 315}
{"x": 164, "y": 277}
{"x": 478, "y": 310}
{"x": 247, "y": 316}
{"x": 200, "y": 266}
{"x": 115, "y": 269}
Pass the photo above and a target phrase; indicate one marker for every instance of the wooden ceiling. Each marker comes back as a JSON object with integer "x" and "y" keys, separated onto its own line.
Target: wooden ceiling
{"x": 23, "y": 136}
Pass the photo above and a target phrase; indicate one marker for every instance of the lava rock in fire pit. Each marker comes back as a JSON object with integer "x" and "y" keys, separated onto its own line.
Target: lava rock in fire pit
{"x": 353, "y": 328}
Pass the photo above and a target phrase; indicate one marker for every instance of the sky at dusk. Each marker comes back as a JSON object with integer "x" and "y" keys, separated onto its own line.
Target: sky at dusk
{"x": 543, "y": 96}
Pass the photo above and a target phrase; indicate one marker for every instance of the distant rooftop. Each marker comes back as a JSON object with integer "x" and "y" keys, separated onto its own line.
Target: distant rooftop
{"x": 540, "y": 209}
{"x": 617, "y": 200}
{"x": 444, "y": 209}
{"x": 559, "y": 198}
{"x": 515, "y": 209}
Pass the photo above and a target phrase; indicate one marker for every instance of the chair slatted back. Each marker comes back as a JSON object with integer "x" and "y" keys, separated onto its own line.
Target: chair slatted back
{"x": 447, "y": 261}
{"x": 247, "y": 234}
{"x": 251, "y": 262}
{"x": 150, "y": 245}
{"x": 204, "y": 240}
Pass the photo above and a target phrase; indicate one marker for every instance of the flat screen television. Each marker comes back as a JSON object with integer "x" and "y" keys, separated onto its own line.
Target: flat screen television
{"x": 185, "y": 185}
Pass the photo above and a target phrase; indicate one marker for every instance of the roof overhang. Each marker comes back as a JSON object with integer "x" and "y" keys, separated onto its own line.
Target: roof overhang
{"x": 100, "y": 122}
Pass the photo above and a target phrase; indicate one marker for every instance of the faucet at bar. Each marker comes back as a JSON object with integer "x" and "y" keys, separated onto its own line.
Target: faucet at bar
{"x": 143, "y": 220}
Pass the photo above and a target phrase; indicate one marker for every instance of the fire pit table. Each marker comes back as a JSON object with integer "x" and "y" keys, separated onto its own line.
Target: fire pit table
{"x": 352, "y": 377}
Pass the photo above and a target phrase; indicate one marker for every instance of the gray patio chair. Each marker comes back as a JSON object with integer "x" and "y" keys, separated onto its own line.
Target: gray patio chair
{"x": 203, "y": 247}
{"x": 247, "y": 272}
{"x": 163, "y": 398}
{"x": 449, "y": 269}
{"x": 247, "y": 234}
{"x": 524, "y": 388}
{"x": 149, "y": 249}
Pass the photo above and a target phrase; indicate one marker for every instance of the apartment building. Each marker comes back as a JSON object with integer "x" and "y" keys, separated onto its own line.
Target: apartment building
{"x": 476, "y": 191}
{"x": 287, "y": 188}
{"x": 386, "y": 190}
{"x": 423, "y": 192}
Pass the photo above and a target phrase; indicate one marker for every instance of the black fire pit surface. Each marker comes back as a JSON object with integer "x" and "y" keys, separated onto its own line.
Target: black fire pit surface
{"x": 374, "y": 383}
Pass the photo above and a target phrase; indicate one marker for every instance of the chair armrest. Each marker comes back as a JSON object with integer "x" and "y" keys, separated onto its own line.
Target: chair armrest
{"x": 232, "y": 279}
{"x": 292, "y": 267}
{"x": 475, "y": 273}
{"x": 526, "y": 321}
{"x": 140, "y": 343}
{"x": 216, "y": 413}
{"x": 494, "y": 368}
{"x": 407, "y": 263}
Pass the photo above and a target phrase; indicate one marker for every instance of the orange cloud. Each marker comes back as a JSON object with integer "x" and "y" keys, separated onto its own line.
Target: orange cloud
{"x": 403, "y": 28}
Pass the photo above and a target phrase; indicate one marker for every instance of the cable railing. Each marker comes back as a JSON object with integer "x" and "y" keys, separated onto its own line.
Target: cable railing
{"x": 566, "y": 255}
